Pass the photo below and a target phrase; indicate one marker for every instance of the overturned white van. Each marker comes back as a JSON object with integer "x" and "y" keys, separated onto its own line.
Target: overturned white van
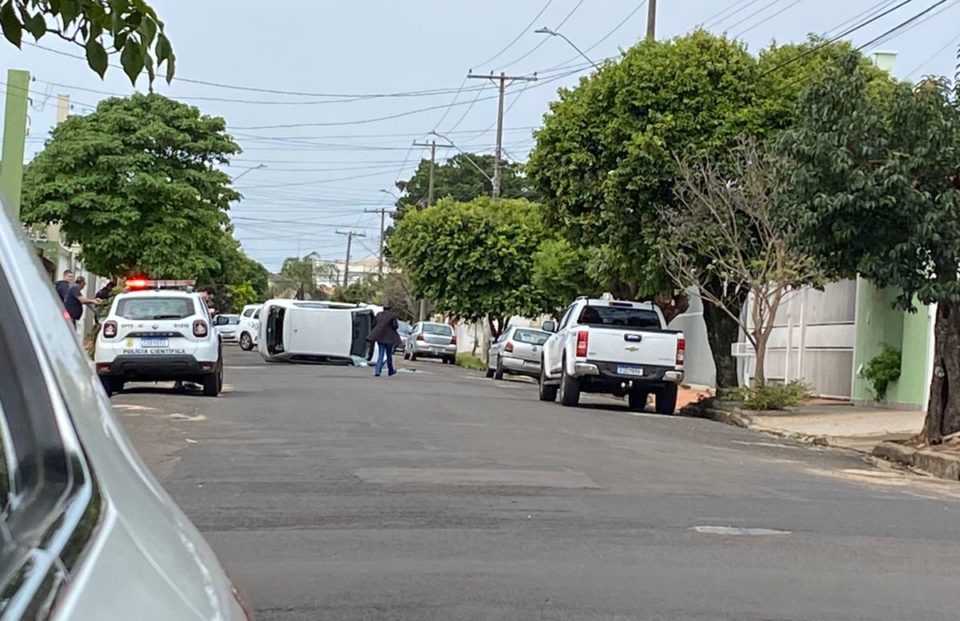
{"x": 307, "y": 331}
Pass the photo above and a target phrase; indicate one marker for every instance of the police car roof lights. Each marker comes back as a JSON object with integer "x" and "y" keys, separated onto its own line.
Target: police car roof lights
{"x": 143, "y": 284}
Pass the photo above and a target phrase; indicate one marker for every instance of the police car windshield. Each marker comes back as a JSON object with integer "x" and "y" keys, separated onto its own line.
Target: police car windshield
{"x": 151, "y": 309}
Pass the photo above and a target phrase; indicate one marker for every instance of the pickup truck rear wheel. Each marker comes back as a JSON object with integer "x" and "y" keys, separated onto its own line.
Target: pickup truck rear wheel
{"x": 637, "y": 399}
{"x": 569, "y": 389}
{"x": 667, "y": 399}
{"x": 547, "y": 392}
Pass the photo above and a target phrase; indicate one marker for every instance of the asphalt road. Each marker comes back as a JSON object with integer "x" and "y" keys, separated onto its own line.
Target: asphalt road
{"x": 440, "y": 495}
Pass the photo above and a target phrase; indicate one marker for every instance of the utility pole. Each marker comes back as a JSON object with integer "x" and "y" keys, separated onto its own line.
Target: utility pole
{"x": 346, "y": 266}
{"x": 383, "y": 211}
{"x": 433, "y": 162}
{"x": 503, "y": 80}
{"x": 14, "y": 140}
{"x": 651, "y": 20}
{"x": 63, "y": 112}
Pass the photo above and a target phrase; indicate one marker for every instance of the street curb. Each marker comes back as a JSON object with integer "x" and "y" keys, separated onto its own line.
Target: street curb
{"x": 738, "y": 418}
{"x": 938, "y": 464}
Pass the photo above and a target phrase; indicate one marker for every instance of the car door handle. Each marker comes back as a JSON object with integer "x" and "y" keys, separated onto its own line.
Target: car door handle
{"x": 633, "y": 338}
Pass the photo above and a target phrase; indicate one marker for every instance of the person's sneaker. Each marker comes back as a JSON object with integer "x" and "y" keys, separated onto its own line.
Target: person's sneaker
{"x": 392, "y": 373}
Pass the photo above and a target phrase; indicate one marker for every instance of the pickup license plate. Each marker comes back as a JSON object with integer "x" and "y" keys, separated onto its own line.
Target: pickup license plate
{"x": 154, "y": 342}
{"x": 635, "y": 371}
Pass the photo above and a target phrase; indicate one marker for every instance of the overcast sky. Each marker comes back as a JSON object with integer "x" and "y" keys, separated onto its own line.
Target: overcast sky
{"x": 336, "y": 157}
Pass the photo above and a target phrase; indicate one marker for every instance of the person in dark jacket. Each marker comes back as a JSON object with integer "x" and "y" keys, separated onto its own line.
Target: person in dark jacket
{"x": 385, "y": 335}
{"x": 63, "y": 286}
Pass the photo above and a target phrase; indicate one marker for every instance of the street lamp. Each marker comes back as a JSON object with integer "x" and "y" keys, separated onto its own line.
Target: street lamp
{"x": 390, "y": 192}
{"x": 257, "y": 167}
{"x": 554, "y": 33}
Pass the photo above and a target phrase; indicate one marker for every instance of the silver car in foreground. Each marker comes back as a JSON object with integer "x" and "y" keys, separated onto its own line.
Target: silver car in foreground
{"x": 431, "y": 340}
{"x": 87, "y": 533}
{"x": 516, "y": 352}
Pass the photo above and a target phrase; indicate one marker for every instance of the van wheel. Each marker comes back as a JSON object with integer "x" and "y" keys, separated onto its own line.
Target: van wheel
{"x": 547, "y": 392}
{"x": 569, "y": 389}
{"x": 667, "y": 399}
{"x": 637, "y": 399}
{"x": 246, "y": 343}
{"x": 213, "y": 382}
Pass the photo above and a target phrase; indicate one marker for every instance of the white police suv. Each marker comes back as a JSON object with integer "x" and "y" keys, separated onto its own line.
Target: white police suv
{"x": 159, "y": 330}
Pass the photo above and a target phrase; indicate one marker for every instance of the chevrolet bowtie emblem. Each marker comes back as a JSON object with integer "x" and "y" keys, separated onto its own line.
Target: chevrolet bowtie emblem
{"x": 632, "y": 348}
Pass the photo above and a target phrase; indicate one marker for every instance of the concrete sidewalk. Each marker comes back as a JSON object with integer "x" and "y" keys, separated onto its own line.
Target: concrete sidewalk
{"x": 841, "y": 424}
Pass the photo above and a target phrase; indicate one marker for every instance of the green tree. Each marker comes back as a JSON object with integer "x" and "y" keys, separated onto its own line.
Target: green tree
{"x": 562, "y": 271}
{"x": 606, "y": 159}
{"x": 874, "y": 189}
{"x": 130, "y": 27}
{"x": 241, "y": 295}
{"x": 473, "y": 260}
{"x": 366, "y": 291}
{"x": 302, "y": 273}
{"x": 463, "y": 177}
{"x": 136, "y": 184}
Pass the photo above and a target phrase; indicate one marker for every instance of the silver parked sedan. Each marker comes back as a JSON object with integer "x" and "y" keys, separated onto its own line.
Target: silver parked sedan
{"x": 516, "y": 352}
{"x": 86, "y": 531}
{"x": 431, "y": 340}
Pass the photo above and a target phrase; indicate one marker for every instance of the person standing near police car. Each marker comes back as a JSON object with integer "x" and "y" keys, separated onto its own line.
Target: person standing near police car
{"x": 75, "y": 300}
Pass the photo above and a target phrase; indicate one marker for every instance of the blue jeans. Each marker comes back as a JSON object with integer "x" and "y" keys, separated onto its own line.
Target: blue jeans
{"x": 386, "y": 353}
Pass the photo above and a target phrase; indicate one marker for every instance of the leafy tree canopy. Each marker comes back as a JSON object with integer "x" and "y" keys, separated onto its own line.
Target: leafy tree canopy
{"x": 129, "y": 27}
{"x": 874, "y": 189}
{"x": 463, "y": 178}
{"x": 301, "y": 275}
{"x": 136, "y": 184}
{"x": 473, "y": 259}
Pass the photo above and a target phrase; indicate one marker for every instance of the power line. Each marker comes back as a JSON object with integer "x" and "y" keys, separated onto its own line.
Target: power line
{"x": 834, "y": 39}
{"x": 543, "y": 41}
{"x": 752, "y": 15}
{"x": 525, "y": 30}
{"x": 767, "y": 18}
{"x": 706, "y": 23}
{"x": 889, "y": 34}
{"x": 930, "y": 58}
{"x": 604, "y": 38}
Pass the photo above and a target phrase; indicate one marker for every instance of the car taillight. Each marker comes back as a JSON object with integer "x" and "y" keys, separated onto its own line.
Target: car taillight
{"x": 200, "y": 328}
{"x": 420, "y": 337}
{"x": 681, "y": 348}
{"x": 110, "y": 329}
{"x": 508, "y": 346}
{"x": 582, "y": 338}
{"x": 453, "y": 339}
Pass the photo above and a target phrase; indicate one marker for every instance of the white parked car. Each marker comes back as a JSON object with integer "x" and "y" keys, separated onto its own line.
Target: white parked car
{"x": 613, "y": 347}
{"x": 516, "y": 352}
{"x": 88, "y": 533}
{"x": 227, "y": 326}
{"x": 159, "y": 334}
{"x": 314, "y": 331}
{"x": 248, "y": 330}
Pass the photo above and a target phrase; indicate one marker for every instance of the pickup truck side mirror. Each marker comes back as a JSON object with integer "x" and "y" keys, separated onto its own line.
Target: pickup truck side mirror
{"x": 549, "y": 326}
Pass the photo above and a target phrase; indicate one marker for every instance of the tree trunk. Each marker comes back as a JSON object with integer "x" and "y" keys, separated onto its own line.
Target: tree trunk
{"x": 943, "y": 410}
{"x": 722, "y": 332}
{"x": 672, "y": 305}
{"x": 760, "y": 347}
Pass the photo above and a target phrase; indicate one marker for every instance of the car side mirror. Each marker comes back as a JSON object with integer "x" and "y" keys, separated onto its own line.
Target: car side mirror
{"x": 549, "y": 326}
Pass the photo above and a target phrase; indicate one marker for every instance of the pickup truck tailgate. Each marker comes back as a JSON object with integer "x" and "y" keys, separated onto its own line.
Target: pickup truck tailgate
{"x": 632, "y": 347}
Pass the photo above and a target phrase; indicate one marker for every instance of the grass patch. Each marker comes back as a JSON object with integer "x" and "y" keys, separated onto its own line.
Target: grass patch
{"x": 471, "y": 362}
{"x": 769, "y": 396}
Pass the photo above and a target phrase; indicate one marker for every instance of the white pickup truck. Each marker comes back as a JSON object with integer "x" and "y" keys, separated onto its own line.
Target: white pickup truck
{"x": 612, "y": 347}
